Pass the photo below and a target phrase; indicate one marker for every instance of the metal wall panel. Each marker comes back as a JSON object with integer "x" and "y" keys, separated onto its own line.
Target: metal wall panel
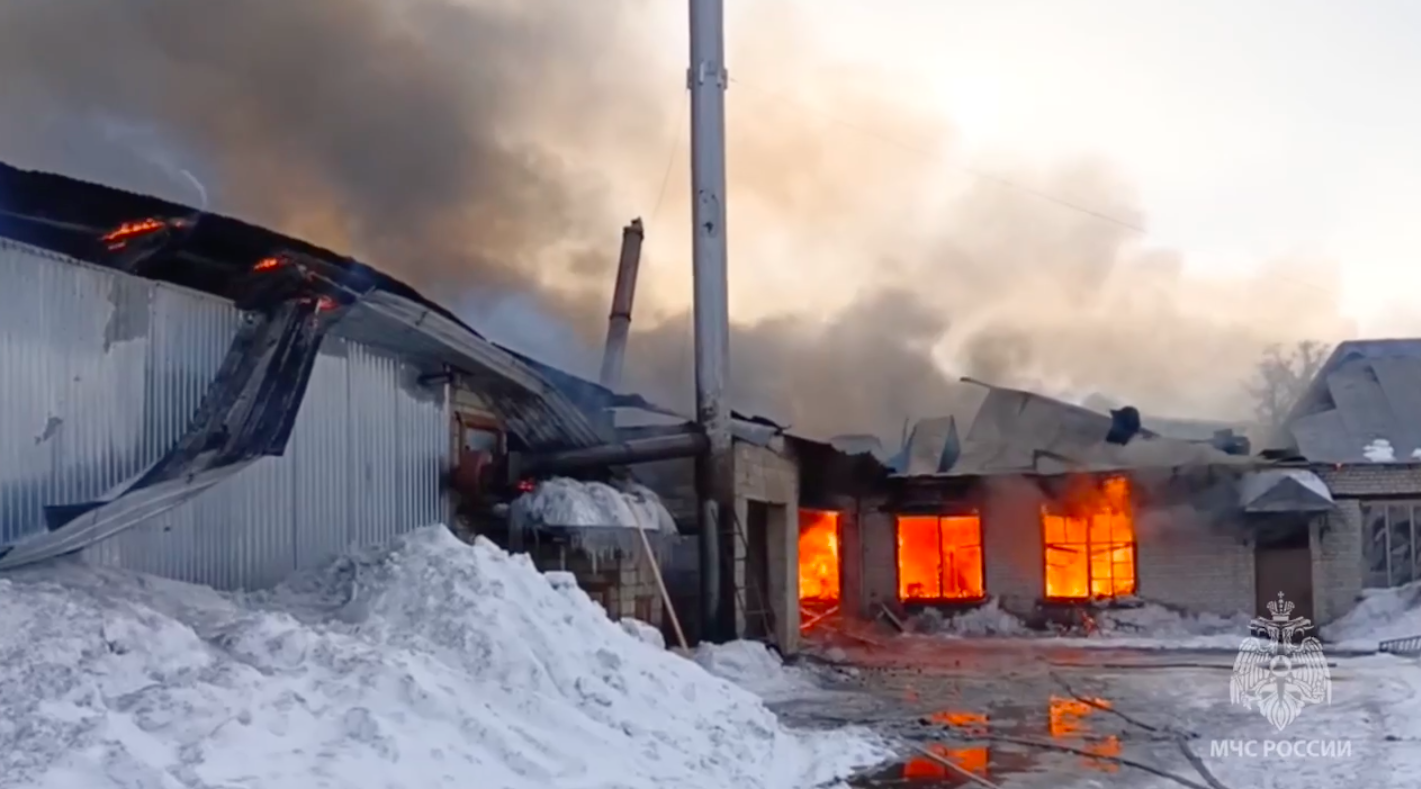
{"x": 362, "y": 466}
{"x": 103, "y": 371}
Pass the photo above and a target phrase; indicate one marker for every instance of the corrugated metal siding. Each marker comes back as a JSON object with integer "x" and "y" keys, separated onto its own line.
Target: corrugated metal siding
{"x": 362, "y": 466}
{"x": 102, "y": 372}
{"x": 123, "y": 364}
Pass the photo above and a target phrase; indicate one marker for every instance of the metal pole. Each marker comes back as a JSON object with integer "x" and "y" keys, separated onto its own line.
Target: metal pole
{"x": 706, "y": 79}
{"x": 619, "y": 323}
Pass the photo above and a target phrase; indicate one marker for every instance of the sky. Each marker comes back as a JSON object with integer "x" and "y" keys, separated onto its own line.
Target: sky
{"x": 1135, "y": 199}
{"x": 1248, "y": 131}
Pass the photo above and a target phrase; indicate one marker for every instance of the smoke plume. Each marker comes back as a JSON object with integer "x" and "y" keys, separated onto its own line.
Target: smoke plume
{"x": 488, "y": 151}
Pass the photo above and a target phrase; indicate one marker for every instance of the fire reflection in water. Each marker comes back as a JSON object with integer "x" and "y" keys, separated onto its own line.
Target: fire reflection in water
{"x": 1067, "y": 722}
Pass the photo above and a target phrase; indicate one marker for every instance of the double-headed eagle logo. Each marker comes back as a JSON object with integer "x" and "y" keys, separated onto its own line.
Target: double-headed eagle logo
{"x": 1275, "y": 674}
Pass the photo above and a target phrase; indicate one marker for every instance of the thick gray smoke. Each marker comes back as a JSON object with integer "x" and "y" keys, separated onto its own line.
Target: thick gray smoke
{"x": 485, "y": 151}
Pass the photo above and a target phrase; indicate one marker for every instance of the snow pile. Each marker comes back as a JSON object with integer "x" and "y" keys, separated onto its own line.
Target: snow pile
{"x": 752, "y": 666}
{"x": 1379, "y": 451}
{"x": 643, "y": 632}
{"x": 985, "y": 620}
{"x": 1153, "y": 626}
{"x": 1381, "y": 614}
{"x": 1135, "y": 626}
{"x": 568, "y": 502}
{"x": 429, "y": 663}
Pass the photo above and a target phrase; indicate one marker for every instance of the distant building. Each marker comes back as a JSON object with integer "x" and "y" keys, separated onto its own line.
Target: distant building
{"x": 1359, "y": 426}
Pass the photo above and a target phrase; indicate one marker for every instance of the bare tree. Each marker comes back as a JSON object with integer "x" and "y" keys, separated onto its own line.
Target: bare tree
{"x": 1281, "y": 378}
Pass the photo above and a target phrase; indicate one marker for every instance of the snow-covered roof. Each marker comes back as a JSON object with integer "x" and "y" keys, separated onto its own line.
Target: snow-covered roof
{"x": 1364, "y": 405}
{"x": 1284, "y": 490}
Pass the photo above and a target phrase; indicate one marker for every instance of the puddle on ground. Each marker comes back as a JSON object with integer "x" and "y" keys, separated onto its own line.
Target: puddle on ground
{"x": 1066, "y": 721}
{"x": 921, "y": 772}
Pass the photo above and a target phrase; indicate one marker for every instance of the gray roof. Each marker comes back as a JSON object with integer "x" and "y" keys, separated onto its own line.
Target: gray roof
{"x": 1284, "y": 490}
{"x": 1368, "y": 392}
{"x": 1023, "y": 432}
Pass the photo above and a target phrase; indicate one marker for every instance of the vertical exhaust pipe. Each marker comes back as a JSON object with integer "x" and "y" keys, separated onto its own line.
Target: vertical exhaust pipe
{"x": 619, "y": 323}
{"x": 715, "y": 472}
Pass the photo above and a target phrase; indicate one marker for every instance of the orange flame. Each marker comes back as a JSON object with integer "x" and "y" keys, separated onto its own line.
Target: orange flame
{"x": 267, "y": 264}
{"x": 120, "y": 236}
{"x": 818, "y": 555}
{"x": 940, "y": 557}
{"x": 1090, "y": 547}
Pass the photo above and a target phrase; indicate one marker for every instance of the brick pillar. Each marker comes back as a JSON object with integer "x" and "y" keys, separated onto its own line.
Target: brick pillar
{"x": 878, "y": 540}
{"x": 1337, "y": 559}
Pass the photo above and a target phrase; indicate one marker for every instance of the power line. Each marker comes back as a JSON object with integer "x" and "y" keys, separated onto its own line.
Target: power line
{"x": 675, "y": 147}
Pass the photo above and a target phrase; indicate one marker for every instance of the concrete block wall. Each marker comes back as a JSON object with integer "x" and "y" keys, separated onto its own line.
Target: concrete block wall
{"x": 1012, "y": 548}
{"x": 1337, "y": 561}
{"x": 851, "y": 566}
{"x": 636, "y": 593}
{"x": 1195, "y": 565}
{"x": 770, "y": 475}
{"x": 878, "y": 552}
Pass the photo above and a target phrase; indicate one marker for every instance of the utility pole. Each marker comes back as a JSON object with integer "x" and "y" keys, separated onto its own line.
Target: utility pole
{"x": 715, "y": 468}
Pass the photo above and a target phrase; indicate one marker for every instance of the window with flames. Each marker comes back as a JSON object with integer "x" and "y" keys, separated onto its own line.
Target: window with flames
{"x": 1090, "y": 543}
{"x": 940, "y": 558}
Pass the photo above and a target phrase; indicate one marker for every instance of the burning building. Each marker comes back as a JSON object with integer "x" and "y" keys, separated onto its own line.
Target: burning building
{"x": 1048, "y": 507}
{"x": 194, "y": 397}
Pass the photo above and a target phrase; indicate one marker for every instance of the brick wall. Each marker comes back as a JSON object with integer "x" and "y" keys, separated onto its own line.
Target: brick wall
{"x": 878, "y": 552}
{"x": 851, "y": 584}
{"x": 1187, "y": 562}
{"x": 770, "y": 475}
{"x": 1337, "y": 561}
{"x": 1371, "y": 479}
{"x": 1011, "y": 544}
{"x": 623, "y": 584}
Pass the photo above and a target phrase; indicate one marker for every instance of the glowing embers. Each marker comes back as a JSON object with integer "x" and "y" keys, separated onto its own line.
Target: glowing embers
{"x": 818, "y": 555}
{"x": 940, "y": 558}
{"x": 1090, "y": 543}
{"x": 118, "y": 238}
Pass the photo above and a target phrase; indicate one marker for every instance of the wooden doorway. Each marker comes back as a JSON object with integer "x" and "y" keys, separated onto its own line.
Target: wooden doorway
{"x": 1283, "y": 565}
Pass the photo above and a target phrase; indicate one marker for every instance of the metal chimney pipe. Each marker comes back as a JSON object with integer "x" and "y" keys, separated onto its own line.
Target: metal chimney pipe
{"x": 620, "y": 453}
{"x": 619, "y": 323}
{"x": 715, "y": 473}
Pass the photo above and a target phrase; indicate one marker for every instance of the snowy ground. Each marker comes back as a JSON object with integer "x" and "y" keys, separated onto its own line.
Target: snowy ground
{"x": 1142, "y": 626}
{"x": 428, "y": 663}
{"x": 1382, "y": 614}
{"x": 1367, "y": 735}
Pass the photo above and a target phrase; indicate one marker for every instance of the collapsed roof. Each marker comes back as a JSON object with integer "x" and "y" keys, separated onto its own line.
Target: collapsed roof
{"x": 1363, "y": 406}
{"x": 1016, "y": 432}
{"x": 68, "y": 216}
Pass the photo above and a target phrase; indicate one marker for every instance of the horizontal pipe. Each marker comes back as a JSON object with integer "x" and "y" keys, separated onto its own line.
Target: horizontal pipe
{"x": 620, "y": 453}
